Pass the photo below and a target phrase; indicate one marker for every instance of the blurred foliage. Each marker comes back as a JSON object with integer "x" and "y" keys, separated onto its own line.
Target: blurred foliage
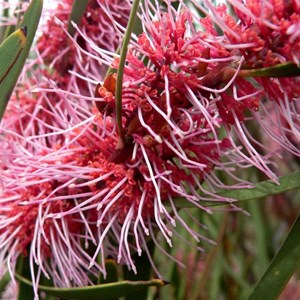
{"x": 245, "y": 247}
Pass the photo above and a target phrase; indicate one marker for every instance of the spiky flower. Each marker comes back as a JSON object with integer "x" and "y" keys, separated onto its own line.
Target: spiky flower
{"x": 263, "y": 34}
{"x": 76, "y": 190}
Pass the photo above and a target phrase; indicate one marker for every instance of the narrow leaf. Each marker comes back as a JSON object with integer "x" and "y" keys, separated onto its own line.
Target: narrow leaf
{"x": 261, "y": 190}
{"x": 96, "y": 292}
{"x": 9, "y": 80}
{"x": 281, "y": 268}
{"x": 10, "y": 50}
{"x": 4, "y": 281}
{"x": 266, "y": 188}
{"x": 281, "y": 70}
{"x": 25, "y": 291}
{"x": 112, "y": 272}
{"x": 77, "y": 12}
{"x": 144, "y": 269}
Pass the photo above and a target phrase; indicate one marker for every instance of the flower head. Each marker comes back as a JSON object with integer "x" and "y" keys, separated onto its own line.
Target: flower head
{"x": 265, "y": 35}
{"x": 69, "y": 175}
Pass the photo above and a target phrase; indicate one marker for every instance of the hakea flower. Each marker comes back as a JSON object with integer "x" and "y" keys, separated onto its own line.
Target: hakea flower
{"x": 265, "y": 35}
{"x": 60, "y": 189}
{"x": 31, "y": 174}
{"x": 54, "y": 47}
{"x": 62, "y": 175}
{"x": 75, "y": 179}
{"x": 58, "y": 50}
{"x": 182, "y": 79}
{"x": 56, "y": 180}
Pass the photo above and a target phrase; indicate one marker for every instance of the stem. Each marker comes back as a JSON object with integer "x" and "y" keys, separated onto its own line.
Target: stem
{"x": 119, "y": 83}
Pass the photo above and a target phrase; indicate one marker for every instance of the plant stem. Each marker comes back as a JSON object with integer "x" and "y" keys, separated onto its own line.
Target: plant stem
{"x": 119, "y": 83}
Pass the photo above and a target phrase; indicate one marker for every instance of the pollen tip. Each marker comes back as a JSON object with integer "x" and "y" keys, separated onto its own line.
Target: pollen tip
{"x": 158, "y": 139}
{"x": 169, "y": 242}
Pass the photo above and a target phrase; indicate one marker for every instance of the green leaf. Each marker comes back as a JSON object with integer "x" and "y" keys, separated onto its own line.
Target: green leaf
{"x": 266, "y": 188}
{"x": 25, "y": 291}
{"x": 96, "y": 292}
{"x": 261, "y": 190}
{"x": 144, "y": 269}
{"x": 111, "y": 270}
{"x": 77, "y": 12}
{"x": 4, "y": 281}
{"x": 11, "y": 73}
{"x": 281, "y": 70}
{"x": 281, "y": 268}
{"x": 10, "y": 50}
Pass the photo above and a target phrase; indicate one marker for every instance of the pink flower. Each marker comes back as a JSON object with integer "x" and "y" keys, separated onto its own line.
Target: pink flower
{"x": 57, "y": 50}
{"x": 66, "y": 181}
{"x": 265, "y": 35}
{"x": 37, "y": 170}
{"x": 186, "y": 115}
{"x": 183, "y": 78}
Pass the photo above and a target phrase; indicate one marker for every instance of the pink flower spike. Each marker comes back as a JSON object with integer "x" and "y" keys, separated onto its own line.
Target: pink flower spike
{"x": 72, "y": 195}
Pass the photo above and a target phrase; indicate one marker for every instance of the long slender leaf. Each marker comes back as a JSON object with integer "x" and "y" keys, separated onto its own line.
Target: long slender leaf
{"x": 77, "y": 12}
{"x": 10, "y": 50}
{"x": 8, "y": 82}
{"x": 25, "y": 291}
{"x": 4, "y": 281}
{"x": 144, "y": 269}
{"x": 281, "y": 268}
{"x": 281, "y": 70}
{"x": 112, "y": 272}
{"x": 96, "y": 292}
{"x": 261, "y": 190}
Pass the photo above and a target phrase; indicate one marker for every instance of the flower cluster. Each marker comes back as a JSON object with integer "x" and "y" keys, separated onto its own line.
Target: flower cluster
{"x": 75, "y": 190}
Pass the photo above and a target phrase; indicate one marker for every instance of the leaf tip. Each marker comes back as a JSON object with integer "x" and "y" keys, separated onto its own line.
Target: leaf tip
{"x": 24, "y": 30}
{"x": 23, "y": 35}
{"x": 166, "y": 282}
